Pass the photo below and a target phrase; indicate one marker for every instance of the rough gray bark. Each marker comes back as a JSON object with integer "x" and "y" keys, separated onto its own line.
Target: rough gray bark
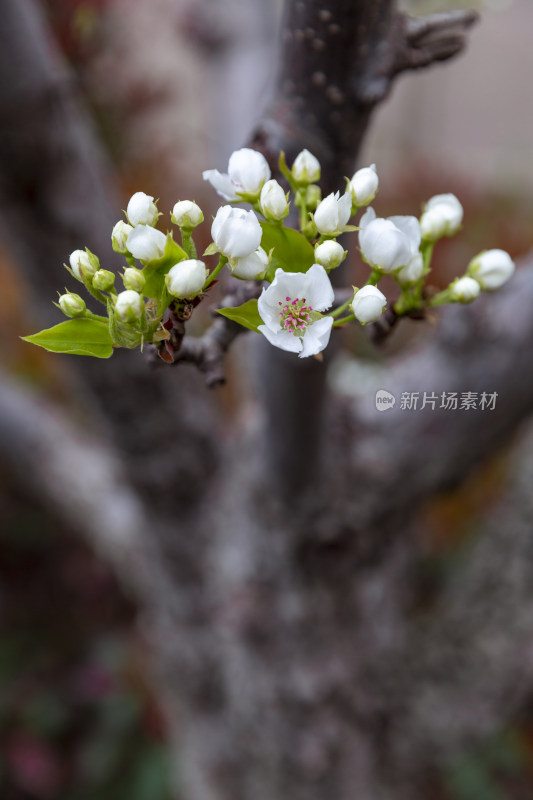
{"x": 292, "y": 660}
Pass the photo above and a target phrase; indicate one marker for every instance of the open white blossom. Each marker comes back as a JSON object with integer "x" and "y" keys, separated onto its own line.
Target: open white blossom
{"x": 491, "y": 269}
{"x": 464, "y": 290}
{"x": 247, "y": 173}
{"x": 333, "y": 213}
{"x": 368, "y": 304}
{"x": 146, "y": 243}
{"x": 306, "y": 168}
{"x": 290, "y": 308}
{"x": 251, "y": 267}
{"x": 442, "y": 216}
{"x": 129, "y": 306}
{"x": 388, "y": 244}
{"x": 142, "y": 210}
{"x": 364, "y": 185}
{"x": 236, "y": 232}
{"x": 187, "y": 278}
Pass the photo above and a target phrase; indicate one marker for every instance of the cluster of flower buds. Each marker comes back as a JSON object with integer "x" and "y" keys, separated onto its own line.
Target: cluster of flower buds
{"x": 164, "y": 280}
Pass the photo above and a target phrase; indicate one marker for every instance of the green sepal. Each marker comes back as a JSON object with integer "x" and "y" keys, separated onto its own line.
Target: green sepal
{"x": 123, "y": 335}
{"x": 290, "y": 250}
{"x": 81, "y": 337}
{"x": 155, "y": 270}
{"x": 246, "y": 315}
{"x": 211, "y": 250}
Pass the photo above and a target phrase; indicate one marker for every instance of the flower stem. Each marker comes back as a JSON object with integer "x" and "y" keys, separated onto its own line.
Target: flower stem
{"x": 338, "y": 311}
{"x": 339, "y": 322}
{"x": 221, "y": 263}
{"x": 187, "y": 243}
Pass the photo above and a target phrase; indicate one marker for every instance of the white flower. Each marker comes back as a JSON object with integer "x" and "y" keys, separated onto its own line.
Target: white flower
{"x": 81, "y": 264}
{"x": 133, "y": 279}
{"x": 72, "y": 305}
{"x": 187, "y": 214}
{"x": 289, "y": 308}
{"x": 236, "y": 233}
{"x": 332, "y": 214}
{"x": 129, "y": 306}
{"x": 388, "y": 244}
{"x": 413, "y": 271}
{"x": 364, "y": 185}
{"x": 491, "y": 269}
{"x": 187, "y": 278}
{"x": 251, "y": 267}
{"x": 119, "y": 236}
{"x": 142, "y": 210}
{"x": 306, "y": 168}
{"x": 368, "y": 304}
{"x": 464, "y": 290}
{"x": 442, "y": 216}
{"x": 247, "y": 171}
{"x": 146, "y": 243}
{"x": 273, "y": 201}
{"x": 330, "y": 254}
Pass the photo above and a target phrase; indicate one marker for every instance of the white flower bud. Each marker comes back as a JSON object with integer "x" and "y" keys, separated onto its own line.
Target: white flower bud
{"x": 368, "y": 304}
{"x": 464, "y": 290}
{"x": 330, "y": 254}
{"x": 146, "y": 243}
{"x": 133, "y": 279}
{"x": 252, "y": 267}
{"x": 273, "y": 201}
{"x": 82, "y": 265}
{"x": 236, "y": 233}
{"x": 142, "y": 210}
{"x": 412, "y": 272}
{"x": 119, "y": 236}
{"x": 187, "y": 278}
{"x": 187, "y": 214}
{"x": 442, "y": 216}
{"x": 491, "y": 269}
{"x": 247, "y": 172}
{"x": 72, "y": 305}
{"x": 364, "y": 185}
{"x": 103, "y": 280}
{"x": 129, "y": 306}
{"x": 333, "y": 213}
{"x": 388, "y": 244}
{"x": 306, "y": 168}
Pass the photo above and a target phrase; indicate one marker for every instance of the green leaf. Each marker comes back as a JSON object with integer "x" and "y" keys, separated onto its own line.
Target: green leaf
{"x": 155, "y": 271}
{"x": 82, "y": 337}
{"x": 246, "y": 315}
{"x": 291, "y": 251}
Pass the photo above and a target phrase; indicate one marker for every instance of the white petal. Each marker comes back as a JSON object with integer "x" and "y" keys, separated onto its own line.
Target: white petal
{"x": 221, "y": 182}
{"x": 411, "y": 228}
{"x": 344, "y": 209}
{"x": 317, "y": 337}
{"x": 282, "y": 339}
{"x": 368, "y": 217}
{"x": 318, "y": 289}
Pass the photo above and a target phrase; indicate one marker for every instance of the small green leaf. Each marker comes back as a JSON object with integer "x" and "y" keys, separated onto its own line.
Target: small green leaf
{"x": 291, "y": 251}
{"x": 82, "y": 337}
{"x": 246, "y": 315}
{"x": 211, "y": 250}
{"x": 155, "y": 271}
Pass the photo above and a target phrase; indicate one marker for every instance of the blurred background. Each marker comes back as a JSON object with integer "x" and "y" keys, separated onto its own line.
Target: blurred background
{"x": 173, "y": 87}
